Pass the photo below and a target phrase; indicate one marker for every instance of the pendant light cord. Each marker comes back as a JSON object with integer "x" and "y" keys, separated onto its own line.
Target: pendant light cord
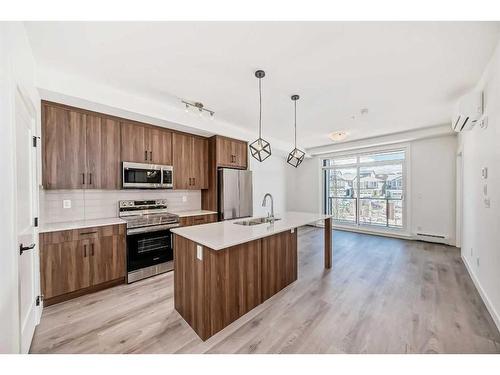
{"x": 295, "y": 103}
{"x": 260, "y": 108}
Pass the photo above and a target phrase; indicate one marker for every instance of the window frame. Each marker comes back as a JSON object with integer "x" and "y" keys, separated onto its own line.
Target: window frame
{"x": 405, "y": 180}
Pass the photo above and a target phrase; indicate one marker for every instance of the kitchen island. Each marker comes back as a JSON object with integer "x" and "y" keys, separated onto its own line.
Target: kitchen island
{"x": 223, "y": 270}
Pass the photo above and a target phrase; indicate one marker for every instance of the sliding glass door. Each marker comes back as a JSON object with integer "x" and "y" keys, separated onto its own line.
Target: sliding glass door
{"x": 366, "y": 189}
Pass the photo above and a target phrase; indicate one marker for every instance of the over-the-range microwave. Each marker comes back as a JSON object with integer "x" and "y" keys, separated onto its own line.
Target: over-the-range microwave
{"x": 147, "y": 176}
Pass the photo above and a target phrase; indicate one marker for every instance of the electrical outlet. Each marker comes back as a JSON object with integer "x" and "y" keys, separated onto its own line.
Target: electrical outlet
{"x": 66, "y": 203}
{"x": 184, "y": 199}
{"x": 199, "y": 252}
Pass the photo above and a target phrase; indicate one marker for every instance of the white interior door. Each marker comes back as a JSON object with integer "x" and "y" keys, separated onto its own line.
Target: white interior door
{"x": 26, "y": 211}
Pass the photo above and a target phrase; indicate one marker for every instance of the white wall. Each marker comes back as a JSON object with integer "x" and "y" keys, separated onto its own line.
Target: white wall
{"x": 481, "y": 225}
{"x": 431, "y": 185}
{"x": 16, "y": 69}
{"x": 433, "y": 181}
{"x": 269, "y": 177}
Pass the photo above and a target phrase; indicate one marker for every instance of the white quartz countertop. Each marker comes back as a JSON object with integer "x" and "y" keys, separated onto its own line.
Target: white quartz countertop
{"x": 225, "y": 234}
{"x": 192, "y": 213}
{"x": 54, "y": 227}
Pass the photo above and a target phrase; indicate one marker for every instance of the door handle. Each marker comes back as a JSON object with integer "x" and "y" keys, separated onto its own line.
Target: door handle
{"x": 146, "y": 155}
{"x": 22, "y": 248}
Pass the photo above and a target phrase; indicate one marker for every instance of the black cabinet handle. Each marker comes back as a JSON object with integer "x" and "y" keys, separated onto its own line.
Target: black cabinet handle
{"x": 151, "y": 155}
{"x": 90, "y": 178}
{"x": 22, "y": 248}
{"x": 83, "y": 178}
{"x": 85, "y": 233}
{"x": 146, "y": 155}
{"x": 92, "y": 249}
{"x": 84, "y": 251}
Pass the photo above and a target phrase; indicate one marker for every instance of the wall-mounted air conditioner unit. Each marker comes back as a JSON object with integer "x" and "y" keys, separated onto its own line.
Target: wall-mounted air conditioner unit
{"x": 469, "y": 112}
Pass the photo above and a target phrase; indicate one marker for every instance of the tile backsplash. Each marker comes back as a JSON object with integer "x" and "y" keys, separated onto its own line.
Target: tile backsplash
{"x": 100, "y": 204}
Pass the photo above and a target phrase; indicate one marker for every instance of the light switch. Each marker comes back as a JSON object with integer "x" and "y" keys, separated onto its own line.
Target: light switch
{"x": 66, "y": 203}
{"x": 199, "y": 252}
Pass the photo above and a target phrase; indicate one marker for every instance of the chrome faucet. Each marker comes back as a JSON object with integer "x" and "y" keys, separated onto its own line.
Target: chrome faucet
{"x": 271, "y": 217}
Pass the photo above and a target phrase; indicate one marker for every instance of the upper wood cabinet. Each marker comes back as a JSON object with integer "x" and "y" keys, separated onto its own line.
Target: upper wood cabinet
{"x": 145, "y": 144}
{"x": 231, "y": 152}
{"x": 79, "y": 150}
{"x": 63, "y": 148}
{"x": 190, "y": 161}
{"x": 103, "y": 153}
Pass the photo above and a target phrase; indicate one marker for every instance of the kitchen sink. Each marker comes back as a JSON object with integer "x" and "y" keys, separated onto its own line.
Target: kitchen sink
{"x": 256, "y": 221}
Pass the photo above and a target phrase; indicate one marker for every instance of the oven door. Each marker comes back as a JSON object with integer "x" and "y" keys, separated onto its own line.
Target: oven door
{"x": 148, "y": 249}
{"x": 137, "y": 175}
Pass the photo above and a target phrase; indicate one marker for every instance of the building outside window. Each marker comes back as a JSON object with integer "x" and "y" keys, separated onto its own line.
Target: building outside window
{"x": 366, "y": 189}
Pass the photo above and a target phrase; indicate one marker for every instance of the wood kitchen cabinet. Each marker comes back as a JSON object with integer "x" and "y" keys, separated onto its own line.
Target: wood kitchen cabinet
{"x": 145, "y": 144}
{"x": 103, "y": 164}
{"x": 80, "y": 261}
{"x": 80, "y": 150}
{"x": 107, "y": 259}
{"x": 198, "y": 219}
{"x": 231, "y": 152}
{"x": 190, "y": 161}
{"x": 64, "y": 267}
{"x": 63, "y": 148}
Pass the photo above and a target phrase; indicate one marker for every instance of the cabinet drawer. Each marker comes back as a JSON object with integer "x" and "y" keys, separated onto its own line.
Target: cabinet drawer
{"x": 198, "y": 219}
{"x": 81, "y": 234}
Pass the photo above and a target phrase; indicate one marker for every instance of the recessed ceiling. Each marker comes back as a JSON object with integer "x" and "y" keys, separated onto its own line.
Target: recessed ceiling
{"x": 409, "y": 74}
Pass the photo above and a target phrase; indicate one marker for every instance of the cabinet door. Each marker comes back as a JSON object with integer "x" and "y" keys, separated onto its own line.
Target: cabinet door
{"x": 181, "y": 158}
{"x": 65, "y": 267}
{"x": 199, "y": 163}
{"x": 63, "y": 148}
{"x": 224, "y": 152}
{"x": 134, "y": 143}
{"x": 160, "y": 146}
{"x": 107, "y": 256}
{"x": 240, "y": 154}
{"x": 103, "y": 153}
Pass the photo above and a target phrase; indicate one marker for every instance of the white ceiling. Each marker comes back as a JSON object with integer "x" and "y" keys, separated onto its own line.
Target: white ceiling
{"x": 408, "y": 74}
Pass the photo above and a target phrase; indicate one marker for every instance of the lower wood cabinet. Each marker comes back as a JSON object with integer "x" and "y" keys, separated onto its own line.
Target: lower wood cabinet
{"x": 76, "y": 262}
{"x": 212, "y": 292}
{"x": 198, "y": 219}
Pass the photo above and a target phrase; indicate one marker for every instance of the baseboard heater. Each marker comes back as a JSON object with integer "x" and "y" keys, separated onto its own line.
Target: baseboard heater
{"x": 432, "y": 237}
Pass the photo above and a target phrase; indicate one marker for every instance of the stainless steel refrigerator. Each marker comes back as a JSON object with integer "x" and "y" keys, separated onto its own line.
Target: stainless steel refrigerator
{"x": 235, "y": 193}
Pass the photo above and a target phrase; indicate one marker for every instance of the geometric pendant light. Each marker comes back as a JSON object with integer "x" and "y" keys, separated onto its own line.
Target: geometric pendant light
{"x": 260, "y": 148}
{"x": 296, "y": 156}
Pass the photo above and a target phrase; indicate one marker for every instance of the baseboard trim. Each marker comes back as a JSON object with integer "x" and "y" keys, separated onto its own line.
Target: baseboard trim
{"x": 482, "y": 293}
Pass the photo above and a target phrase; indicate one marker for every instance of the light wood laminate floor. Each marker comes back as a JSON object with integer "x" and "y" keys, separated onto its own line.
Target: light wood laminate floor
{"x": 382, "y": 295}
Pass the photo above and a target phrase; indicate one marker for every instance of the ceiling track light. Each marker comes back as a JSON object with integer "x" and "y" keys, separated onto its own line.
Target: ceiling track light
{"x": 296, "y": 156}
{"x": 260, "y": 148}
{"x": 199, "y": 107}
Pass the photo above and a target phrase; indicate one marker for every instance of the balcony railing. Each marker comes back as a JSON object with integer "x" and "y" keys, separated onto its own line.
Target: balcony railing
{"x": 387, "y": 212}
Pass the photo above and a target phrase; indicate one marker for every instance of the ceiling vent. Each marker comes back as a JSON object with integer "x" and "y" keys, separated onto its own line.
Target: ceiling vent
{"x": 469, "y": 112}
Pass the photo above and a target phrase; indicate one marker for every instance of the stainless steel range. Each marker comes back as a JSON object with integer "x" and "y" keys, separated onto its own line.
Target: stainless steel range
{"x": 149, "y": 241}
